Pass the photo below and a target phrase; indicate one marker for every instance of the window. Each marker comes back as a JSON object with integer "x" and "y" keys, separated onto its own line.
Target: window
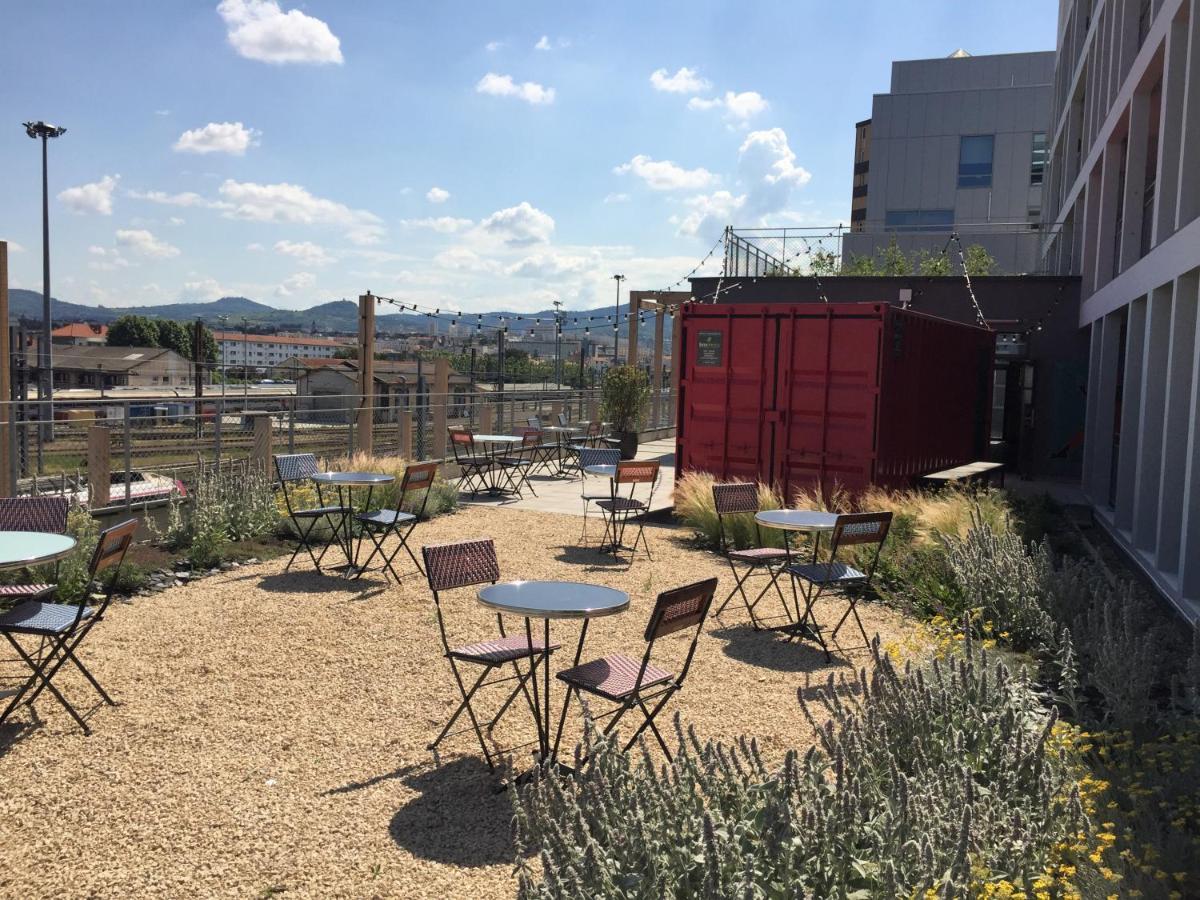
{"x": 975, "y": 160}
{"x": 1037, "y": 160}
{"x": 918, "y": 219}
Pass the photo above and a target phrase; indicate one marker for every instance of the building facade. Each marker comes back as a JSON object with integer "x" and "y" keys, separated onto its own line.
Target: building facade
{"x": 265, "y": 351}
{"x": 1124, "y": 195}
{"x": 957, "y": 144}
{"x": 103, "y": 367}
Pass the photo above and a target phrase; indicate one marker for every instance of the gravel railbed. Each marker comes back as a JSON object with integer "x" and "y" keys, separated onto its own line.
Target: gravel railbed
{"x": 271, "y": 729}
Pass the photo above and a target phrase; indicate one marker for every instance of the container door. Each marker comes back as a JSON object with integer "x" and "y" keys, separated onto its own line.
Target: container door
{"x": 723, "y": 393}
{"x": 829, "y": 387}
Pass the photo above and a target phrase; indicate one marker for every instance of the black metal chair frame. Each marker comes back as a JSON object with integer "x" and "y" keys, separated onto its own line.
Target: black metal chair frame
{"x": 591, "y": 456}
{"x": 695, "y": 600}
{"x": 522, "y": 461}
{"x": 417, "y": 477}
{"x": 291, "y": 467}
{"x": 482, "y": 568}
{"x": 46, "y": 513}
{"x": 850, "y": 529}
{"x": 472, "y": 467}
{"x": 741, "y": 498}
{"x": 59, "y": 644}
{"x": 622, "y": 510}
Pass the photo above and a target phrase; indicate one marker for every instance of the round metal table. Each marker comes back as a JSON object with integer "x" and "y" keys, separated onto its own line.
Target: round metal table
{"x": 497, "y": 443}
{"x": 810, "y": 521}
{"x": 20, "y": 549}
{"x": 562, "y": 433}
{"x": 548, "y": 600}
{"x": 345, "y": 483}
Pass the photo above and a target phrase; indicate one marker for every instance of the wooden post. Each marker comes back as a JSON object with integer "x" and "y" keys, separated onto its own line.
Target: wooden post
{"x": 485, "y": 419}
{"x": 635, "y": 301}
{"x": 364, "y": 439}
{"x": 656, "y": 375}
{"x": 7, "y": 488}
{"x": 441, "y": 399}
{"x": 593, "y": 410}
{"x": 99, "y": 469}
{"x": 260, "y": 455}
{"x": 555, "y": 408}
{"x": 406, "y": 430}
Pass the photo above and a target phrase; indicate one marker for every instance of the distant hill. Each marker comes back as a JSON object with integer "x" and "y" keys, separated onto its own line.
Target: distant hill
{"x": 331, "y": 317}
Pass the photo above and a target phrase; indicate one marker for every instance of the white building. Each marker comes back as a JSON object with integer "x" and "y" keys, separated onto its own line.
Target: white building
{"x": 263, "y": 351}
{"x": 1123, "y": 190}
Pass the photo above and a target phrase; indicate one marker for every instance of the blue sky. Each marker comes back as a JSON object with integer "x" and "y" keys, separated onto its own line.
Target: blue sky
{"x": 471, "y": 156}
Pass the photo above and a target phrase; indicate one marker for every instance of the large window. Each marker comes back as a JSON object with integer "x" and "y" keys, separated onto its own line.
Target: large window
{"x": 1037, "y": 160}
{"x": 975, "y": 160}
{"x": 918, "y": 219}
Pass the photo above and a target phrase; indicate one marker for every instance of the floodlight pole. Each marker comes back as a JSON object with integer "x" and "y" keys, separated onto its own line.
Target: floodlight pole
{"x": 617, "y": 322}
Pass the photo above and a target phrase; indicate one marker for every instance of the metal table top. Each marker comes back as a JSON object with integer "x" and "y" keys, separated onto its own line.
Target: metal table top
{"x": 563, "y": 429}
{"x": 797, "y": 519}
{"x": 554, "y": 599}
{"x": 497, "y": 439}
{"x": 30, "y": 548}
{"x": 604, "y": 471}
{"x": 352, "y": 479}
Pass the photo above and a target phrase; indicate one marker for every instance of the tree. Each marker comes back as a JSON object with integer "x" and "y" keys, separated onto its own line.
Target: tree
{"x": 173, "y": 336}
{"x": 824, "y": 263}
{"x": 133, "y": 331}
{"x": 894, "y": 261}
{"x": 208, "y": 344}
{"x": 932, "y": 264}
{"x": 978, "y": 261}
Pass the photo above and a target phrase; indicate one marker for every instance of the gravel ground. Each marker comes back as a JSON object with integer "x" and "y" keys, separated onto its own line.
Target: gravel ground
{"x": 271, "y": 729}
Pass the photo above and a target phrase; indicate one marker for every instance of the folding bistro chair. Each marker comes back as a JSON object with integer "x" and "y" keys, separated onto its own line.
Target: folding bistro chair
{"x": 62, "y": 627}
{"x": 622, "y": 510}
{"x": 521, "y": 462}
{"x": 472, "y": 467}
{"x": 381, "y": 524}
{"x": 817, "y": 577}
{"x": 627, "y": 682}
{"x": 742, "y": 499}
{"x": 564, "y": 420}
{"x": 534, "y": 422}
{"x": 48, "y": 514}
{"x": 541, "y": 454}
{"x": 593, "y": 456}
{"x": 293, "y": 467}
{"x": 449, "y": 566}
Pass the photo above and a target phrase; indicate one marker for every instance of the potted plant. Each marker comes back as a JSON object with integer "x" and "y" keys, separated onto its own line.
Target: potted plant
{"x": 624, "y": 396}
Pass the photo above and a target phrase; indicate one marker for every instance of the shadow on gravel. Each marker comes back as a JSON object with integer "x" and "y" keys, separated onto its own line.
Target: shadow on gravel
{"x": 769, "y": 650}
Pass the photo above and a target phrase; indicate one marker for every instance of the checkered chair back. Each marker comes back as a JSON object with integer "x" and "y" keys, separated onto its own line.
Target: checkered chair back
{"x": 47, "y": 514}
{"x": 598, "y": 456}
{"x": 564, "y": 420}
{"x": 732, "y": 499}
{"x": 534, "y": 422}
{"x": 461, "y": 564}
{"x": 112, "y": 546}
{"x": 680, "y": 608}
{"x": 861, "y": 528}
{"x": 462, "y": 442}
{"x": 595, "y": 431}
{"x": 417, "y": 477}
{"x": 531, "y": 437}
{"x": 637, "y": 471}
{"x": 295, "y": 466}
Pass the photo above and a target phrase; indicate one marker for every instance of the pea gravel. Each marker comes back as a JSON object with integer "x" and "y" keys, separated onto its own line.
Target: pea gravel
{"x": 271, "y": 729}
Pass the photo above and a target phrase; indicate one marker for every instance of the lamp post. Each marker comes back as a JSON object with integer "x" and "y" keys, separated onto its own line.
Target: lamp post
{"x": 245, "y": 364}
{"x": 45, "y": 131}
{"x": 558, "y": 345}
{"x": 617, "y": 320}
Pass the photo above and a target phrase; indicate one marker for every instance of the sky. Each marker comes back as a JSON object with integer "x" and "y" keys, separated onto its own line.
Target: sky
{"x": 472, "y": 156}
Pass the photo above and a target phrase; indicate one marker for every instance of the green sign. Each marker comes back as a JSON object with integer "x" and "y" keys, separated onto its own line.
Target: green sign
{"x": 708, "y": 348}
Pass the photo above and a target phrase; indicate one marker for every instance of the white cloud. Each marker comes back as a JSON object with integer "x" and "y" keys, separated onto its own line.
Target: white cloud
{"x": 106, "y": 260}
{"x": 738, "y": 107}
{"x": 14, "y": 247}
{"x": 260, "y": 30}
{"x": 146, "y": 244}
{"x": 709, "y": 213}
{"x": 202, "y": 289}
{"x": 616, "y": 198}
{"x": 493, "y": 46}
{"x": 437, "y": 195}
{"x": 175, "y": 220}
{"x": 504, "y": 86}
{"x": 684, "y": 81}
{"x": 162, "y": 112}
{"x": 767, "y": 167}
{"x": 464, "y": 259}
{"x": 293, "y": 204}
{"x": 218, "y": 137}
{"x": 440, "y": 224}
{"x": 519, "y": 225}
{"x": 664, "y": 175}
{"x": 543, "y": 43}
{"x": 549, "y": 265}
{"x": 306, "y": 251}
{"x": 254, "y": 247}
{"x": 185, "y": 198}
{"x": 301, "y": 281}
{"x": 96, "y": 197}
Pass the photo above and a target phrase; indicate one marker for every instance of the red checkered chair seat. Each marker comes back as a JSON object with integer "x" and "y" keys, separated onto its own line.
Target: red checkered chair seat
{"x": 613, "y": 677}
{"x": 620, "y": 503}
{"x": 23, "y": 591}
{"x": 823, "y": 573}
{"x": 499, "y": 650}
{"x": 758, "y": 554}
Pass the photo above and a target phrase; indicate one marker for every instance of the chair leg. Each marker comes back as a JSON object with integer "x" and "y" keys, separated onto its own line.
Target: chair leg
{"x": 53, "y": 660}
{"x": 522, "y": 686}
{"x": 649, "y": 721}
{"x": 466, "y": 706}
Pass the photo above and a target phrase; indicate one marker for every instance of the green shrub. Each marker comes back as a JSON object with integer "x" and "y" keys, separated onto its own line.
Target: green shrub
{"x": 625, "y": 397}
{"x": 227, "y": 504}
{"x": 695, "y": 507}
{"x": 934, "y": 780}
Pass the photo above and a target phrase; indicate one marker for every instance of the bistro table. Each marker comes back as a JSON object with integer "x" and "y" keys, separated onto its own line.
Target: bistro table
{"x": 561, "y": 433}
{"x": 345, "y": 483}
{"x": 809, "y": 521}
{"x": 548, "y": 600}
{"x": 497, "y": 443}
{"x": 20, "y": 549}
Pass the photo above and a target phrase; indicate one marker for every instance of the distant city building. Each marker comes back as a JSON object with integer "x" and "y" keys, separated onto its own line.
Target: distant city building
{"x": 328, "y": 392}
{"x": 108, "y": 367}
{"x": 1123, "y": 193}
{"x": 80, "y": 334}
{"x": 263, "y": 351}
{"x": 958, "y": 144}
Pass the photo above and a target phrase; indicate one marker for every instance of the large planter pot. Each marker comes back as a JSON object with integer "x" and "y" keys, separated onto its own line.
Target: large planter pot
{"x": 629, "y": 444}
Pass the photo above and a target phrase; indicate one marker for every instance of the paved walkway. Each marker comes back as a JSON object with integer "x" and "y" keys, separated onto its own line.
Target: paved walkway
{"x": 561, "y": 495}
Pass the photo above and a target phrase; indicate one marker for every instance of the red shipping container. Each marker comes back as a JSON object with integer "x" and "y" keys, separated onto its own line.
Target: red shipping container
{"x": 826, "y": 395}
